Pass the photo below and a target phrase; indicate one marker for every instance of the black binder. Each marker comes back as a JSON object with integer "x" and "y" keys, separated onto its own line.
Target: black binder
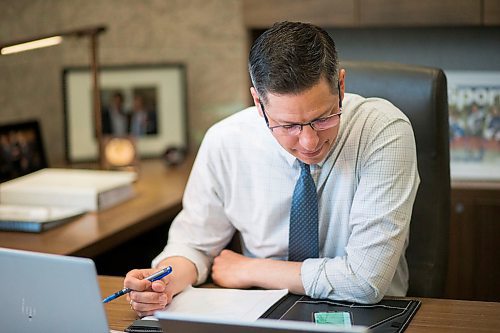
{"x": 388, "y": 316}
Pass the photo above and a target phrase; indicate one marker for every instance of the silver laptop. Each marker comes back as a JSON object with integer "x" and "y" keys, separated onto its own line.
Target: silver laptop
{"x": 185, "y": 323}
{"x": 49, "y": 293}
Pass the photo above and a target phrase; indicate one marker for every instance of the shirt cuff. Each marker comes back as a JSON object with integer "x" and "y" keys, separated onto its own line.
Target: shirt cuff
{"x": 310, "y": 272}
{"x": 200, "y": 260}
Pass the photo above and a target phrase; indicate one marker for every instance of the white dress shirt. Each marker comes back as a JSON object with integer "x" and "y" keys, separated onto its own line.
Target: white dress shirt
{"x": 243, "y": 180}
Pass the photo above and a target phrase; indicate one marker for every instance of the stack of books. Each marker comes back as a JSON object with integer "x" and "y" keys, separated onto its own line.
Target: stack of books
{"x": 50, "y": 197}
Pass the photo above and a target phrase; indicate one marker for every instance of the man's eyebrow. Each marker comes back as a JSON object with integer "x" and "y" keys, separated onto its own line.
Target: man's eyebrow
{"x": 328, "y": 112}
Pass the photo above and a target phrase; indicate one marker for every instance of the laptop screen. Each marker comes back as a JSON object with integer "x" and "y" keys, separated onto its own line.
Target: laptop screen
{"x": 49, "y": 293}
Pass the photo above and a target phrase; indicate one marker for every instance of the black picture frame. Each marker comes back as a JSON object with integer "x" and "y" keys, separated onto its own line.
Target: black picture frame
{"x": 162, "y": 85}
{"x": 21, "y": 149}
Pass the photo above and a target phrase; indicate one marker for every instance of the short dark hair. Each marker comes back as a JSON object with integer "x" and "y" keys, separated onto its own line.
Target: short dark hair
{"x": 291, "y": 57}
{"x": 118, "y": 94}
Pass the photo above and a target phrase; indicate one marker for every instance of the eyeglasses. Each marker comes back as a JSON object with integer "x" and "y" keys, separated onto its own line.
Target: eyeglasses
{"x": 319, "y": 124}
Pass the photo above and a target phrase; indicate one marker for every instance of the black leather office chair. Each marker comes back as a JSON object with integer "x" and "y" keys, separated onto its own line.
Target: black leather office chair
{"x": 421, "y": 93}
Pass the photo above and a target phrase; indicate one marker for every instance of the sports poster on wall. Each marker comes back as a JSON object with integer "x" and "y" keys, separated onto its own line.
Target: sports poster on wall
{"x": 474, "y": 115}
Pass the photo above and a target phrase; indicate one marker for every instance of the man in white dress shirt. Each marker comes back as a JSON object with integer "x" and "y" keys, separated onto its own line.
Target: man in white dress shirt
{"x": 362, "y": 157}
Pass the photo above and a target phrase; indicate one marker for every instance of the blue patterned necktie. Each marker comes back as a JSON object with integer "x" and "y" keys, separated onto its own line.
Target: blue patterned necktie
{"x": 303, "y": 237}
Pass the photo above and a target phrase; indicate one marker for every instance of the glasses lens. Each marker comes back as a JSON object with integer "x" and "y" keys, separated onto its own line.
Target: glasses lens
{"x": 326, "y": 123}
{"x": 287, "y": 130}
{"x": 294, "y": 130}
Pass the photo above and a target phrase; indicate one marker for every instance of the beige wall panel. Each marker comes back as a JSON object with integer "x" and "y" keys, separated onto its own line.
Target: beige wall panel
{"x": 208, "y": 36}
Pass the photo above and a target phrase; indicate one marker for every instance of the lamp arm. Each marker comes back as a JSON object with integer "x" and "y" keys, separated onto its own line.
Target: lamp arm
{"x": 94, "y": 63}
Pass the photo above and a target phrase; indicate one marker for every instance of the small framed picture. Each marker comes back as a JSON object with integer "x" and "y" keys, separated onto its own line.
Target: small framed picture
{"x": 147, "y": 102}
{"x": 474, "y": 116}
{"x": 22, "y": 150}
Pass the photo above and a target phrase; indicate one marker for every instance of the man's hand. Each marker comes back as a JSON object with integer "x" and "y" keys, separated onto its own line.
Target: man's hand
{"x": 233, "y": 270}
{"x": 147, "y": 296}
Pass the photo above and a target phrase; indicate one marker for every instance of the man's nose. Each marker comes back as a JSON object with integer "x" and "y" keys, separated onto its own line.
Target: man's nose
{"x": 308, "y": 138}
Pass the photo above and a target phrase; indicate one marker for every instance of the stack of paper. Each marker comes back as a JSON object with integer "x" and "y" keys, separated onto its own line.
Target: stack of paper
{"x": 220, "y": 303}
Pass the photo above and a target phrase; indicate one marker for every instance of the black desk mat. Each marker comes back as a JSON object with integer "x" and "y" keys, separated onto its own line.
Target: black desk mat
{"x": 388, "y": 316}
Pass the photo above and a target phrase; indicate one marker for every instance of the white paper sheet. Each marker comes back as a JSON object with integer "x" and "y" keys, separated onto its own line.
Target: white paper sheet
{"x": 234, "y": 304}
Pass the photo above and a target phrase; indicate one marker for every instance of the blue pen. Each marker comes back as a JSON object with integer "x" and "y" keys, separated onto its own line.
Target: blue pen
{"x": 156, "y": 276}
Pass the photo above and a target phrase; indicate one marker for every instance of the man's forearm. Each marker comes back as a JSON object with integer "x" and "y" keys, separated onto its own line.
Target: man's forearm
{"x": 233, "y": 270}
{"x": 277, "y": 274}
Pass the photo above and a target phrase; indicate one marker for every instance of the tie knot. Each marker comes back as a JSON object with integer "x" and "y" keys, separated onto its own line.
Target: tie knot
{"x": 304, "y": 167}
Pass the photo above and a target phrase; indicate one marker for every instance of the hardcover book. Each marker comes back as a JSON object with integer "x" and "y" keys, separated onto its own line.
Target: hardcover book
{"x": 90, "y": 190}
{"x": 35, "y": 218}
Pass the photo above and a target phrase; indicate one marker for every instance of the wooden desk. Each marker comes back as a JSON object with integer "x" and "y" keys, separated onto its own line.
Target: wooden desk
{"x": 435, "y": 315}
{"x": 159, "y": 196}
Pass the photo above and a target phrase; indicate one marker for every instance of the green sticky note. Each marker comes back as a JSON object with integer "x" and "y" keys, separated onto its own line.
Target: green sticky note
{"x": 337, "y": 318}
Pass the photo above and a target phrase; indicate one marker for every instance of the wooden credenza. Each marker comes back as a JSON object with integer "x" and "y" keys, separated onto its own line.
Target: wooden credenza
{"x": 474, "y": 258}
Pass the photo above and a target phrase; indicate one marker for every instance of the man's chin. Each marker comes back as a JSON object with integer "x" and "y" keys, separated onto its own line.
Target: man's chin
{"x": 310, "y": 161}
{"x": 311, "y": 158}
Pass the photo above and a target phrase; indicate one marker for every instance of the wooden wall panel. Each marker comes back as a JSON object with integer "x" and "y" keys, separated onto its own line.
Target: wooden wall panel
{"x": 491, "y": 12}
{"x": 473, "y": 266}
{"x": 327, "y": 13}
{"x": 419, "y": 13}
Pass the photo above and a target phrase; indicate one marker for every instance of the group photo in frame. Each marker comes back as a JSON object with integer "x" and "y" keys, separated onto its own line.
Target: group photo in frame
{"x": 146, "y": 102}
{"x": 474, "y": 116}
{"x": 21, "y": 149}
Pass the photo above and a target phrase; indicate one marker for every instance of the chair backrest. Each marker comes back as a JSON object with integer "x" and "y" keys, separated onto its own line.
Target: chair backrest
{"x": 421, "y": 93}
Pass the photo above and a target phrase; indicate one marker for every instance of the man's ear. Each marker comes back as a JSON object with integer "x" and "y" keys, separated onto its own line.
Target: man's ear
{"x": 256, "y": 100}
{"x": 342, "y": 73}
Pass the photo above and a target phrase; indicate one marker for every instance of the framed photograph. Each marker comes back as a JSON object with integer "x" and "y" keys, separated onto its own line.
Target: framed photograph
{"x": 474, "y": 115}
{"x": 147, "y": 102}
{"x": 22, "y": 150}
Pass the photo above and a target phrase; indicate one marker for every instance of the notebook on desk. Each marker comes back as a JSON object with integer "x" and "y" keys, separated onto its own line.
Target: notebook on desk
{"x": 49, "y": 293}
